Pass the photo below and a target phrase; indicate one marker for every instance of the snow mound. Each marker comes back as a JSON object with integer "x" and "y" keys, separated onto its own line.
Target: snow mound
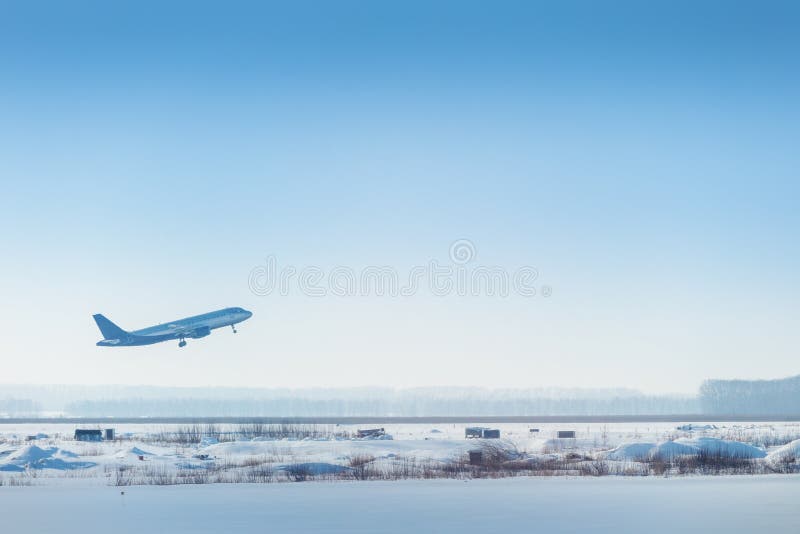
{"x": 723, "y": 447}
{"x": 789, "y": 453}
{"x": 631, "y": 451}
{"x": 639, "y": 451}
{"x": 37, "y": 458}
{"x": 11, "y": 468}
{"x": 31, "y": 454}
{"x": 671, "y": 449}
{"x": 139, "y": 452}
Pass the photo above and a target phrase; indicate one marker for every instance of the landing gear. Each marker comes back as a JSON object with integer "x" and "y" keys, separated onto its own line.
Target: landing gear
{"x": 233, "y": 327}
{"x": 182, "y": 343}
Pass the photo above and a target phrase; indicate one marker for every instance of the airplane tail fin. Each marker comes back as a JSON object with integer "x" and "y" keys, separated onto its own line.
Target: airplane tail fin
{"x": 107, "y": 328}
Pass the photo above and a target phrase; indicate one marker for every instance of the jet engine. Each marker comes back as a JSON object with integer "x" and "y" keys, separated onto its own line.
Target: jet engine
{"x": 202, "y": 331}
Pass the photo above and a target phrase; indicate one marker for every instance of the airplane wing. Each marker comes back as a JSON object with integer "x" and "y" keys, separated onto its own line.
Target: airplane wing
{"x": 180, "y": 329}
{"x": 189, "y": 331}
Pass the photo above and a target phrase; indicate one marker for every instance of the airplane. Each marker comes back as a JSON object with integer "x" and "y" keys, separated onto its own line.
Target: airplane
{"x": 191, "y": 327}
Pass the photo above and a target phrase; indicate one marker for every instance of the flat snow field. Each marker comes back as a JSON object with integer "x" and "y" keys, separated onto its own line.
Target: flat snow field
{"x": 609, "y": 504}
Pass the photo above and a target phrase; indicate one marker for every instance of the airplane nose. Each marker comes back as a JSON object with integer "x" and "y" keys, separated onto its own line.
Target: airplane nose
{"x": 247, "y": 314}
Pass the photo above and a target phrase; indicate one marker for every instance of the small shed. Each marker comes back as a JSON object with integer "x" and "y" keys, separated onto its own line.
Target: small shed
{"x": 85, "y": 434}
{"x": 109, "y": 434}
{"x": 481, "y": 432}
{"x": 475, "y": 457}
{"x": 473, "y": 432}
{"x": 566, "y": 434}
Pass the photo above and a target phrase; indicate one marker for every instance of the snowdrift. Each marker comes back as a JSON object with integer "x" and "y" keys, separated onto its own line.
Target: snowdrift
{"x": 631, "y": 452}
{"x": 722, "y": 447}
{"x": 34, "y": 457}
{"x": 787, "y": 454}
{"x": 638, "y": 451}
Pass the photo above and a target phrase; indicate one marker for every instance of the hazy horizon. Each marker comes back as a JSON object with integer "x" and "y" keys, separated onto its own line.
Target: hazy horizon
{"x": 557, "y": 390}
{"x": 714, "y": 398}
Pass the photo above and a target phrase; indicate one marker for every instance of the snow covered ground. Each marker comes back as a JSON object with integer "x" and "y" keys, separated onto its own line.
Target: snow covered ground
{"x": 609, "y": 504}
{"x": 148, "y": 454}
{"x": 173, "y": 479}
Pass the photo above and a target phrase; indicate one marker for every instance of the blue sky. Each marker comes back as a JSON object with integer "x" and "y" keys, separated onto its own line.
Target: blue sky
{"x": 642, "y": 156}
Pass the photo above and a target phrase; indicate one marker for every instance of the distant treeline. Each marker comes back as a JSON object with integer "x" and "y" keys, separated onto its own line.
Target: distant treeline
{"x": 19, "y": 408}
{"x": 723, "y": 397}
{"x": 751, "y": 397}
{"x": 416, "y": 406}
